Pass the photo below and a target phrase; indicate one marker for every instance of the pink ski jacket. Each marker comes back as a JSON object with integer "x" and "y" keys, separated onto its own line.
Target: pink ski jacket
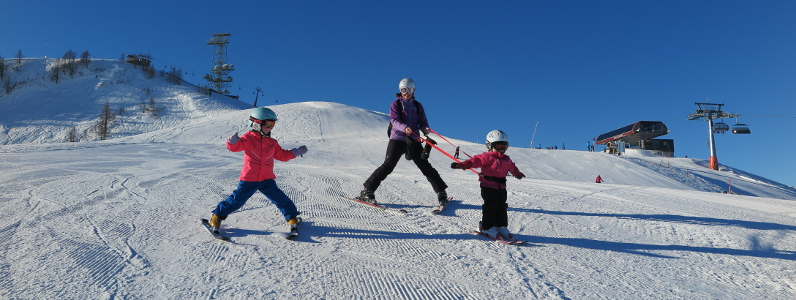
{"x": 493, "y": 164}
{"x": 259, "y": 155}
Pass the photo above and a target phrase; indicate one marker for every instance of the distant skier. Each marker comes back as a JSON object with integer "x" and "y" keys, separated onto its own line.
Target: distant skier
{"x": 599, "y": 179}
{"x": 456, "y": 154}
{"x": 407, "y": 119}
{"x": 495, "y": 165}
{"x": 257, "y": 174}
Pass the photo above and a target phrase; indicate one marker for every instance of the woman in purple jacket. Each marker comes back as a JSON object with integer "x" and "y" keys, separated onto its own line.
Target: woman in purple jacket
{"x": 407, "y": 120}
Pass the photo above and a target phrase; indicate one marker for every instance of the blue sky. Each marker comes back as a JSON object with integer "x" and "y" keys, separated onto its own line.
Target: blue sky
{"x": 579, "y": 68}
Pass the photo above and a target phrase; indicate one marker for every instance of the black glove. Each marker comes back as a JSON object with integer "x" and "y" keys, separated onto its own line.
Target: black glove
{"x": 455, "y": 165}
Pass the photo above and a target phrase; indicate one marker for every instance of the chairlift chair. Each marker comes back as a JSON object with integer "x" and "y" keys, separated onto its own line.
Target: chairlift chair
{"x": 720, "y": 127}
{"x": 740, "y": 129}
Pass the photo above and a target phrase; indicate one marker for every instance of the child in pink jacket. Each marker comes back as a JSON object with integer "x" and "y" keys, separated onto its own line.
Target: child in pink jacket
{"x": 260, "y": 151}
{"x": 495, "y": 165}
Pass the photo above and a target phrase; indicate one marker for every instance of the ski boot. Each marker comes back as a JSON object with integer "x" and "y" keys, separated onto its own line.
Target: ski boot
{"x": 367, "y": 196}
{"x": 504, "y": 232}
{"x": 491, "y": 232}
{"x": 293, "y": 223}
{"x": 442, "y": 197}
{"x": 215, "y": 223}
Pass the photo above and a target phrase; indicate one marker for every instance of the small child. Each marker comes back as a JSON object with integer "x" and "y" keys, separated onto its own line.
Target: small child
{"x": 258, "y": 169}
{"x": 495, "y": 165}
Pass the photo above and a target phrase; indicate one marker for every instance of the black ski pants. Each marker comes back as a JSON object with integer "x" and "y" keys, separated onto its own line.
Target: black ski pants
{"x": 495, "y": 208}
{"x": 395, "y": 150}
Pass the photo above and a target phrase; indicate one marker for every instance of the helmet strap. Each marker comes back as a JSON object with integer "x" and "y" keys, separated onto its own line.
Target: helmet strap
{"x": 256, "y": 126}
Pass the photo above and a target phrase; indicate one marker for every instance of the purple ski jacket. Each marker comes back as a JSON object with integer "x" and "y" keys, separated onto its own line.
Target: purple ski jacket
{"x": 412, "y": 116}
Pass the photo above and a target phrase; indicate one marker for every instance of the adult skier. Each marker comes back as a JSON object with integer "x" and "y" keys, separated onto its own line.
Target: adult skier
{"x": 407, "y": 121}
{"x": 260, "y": 151}
{"x": 495, "y": 165}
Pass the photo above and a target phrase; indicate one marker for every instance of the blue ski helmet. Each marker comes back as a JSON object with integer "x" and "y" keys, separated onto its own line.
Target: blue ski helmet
{"x": 262, "y": 113}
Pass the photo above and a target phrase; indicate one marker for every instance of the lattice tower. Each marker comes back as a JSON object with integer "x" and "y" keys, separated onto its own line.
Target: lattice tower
{"x": 219, "y": 78}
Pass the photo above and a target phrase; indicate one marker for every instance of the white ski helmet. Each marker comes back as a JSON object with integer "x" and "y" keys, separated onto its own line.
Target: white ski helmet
{"x": 406, "y": 83}
{"x": 496, "y": 136}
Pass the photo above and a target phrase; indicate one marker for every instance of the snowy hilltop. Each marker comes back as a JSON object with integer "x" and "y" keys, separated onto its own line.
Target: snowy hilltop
{"x": 117, "y": 218}
{"x": 36, "y": 109}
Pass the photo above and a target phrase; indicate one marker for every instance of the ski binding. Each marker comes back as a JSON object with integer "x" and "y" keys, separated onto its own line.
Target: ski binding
{"x": 387, "y": 209}
{"x": 439, "y": 209}
{"x": 499, "y": 238}
{"x": 206, "y": 225}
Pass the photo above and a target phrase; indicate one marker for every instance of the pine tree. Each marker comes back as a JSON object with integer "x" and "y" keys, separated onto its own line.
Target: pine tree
{"x": 55, "y": 72}
{"x": 70, "y": 63}
{"x": 19, "y": 58}
{"x": 84, "y": 58}
{"x": 71, "y": 134}
{"x": 2, "y": 67}
{"x": 105, "y": 121}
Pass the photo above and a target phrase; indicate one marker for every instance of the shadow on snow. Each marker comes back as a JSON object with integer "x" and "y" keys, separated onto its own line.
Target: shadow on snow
{"x": 669, "y": 218}
{"x": 310, "y": 233}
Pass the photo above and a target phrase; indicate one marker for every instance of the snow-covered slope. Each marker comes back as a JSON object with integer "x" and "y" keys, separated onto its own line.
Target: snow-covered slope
{"x": 39, "y": 110}
{"x": 118, "y": 219}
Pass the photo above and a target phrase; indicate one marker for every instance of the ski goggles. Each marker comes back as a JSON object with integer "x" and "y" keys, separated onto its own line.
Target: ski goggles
{"x": 264, "y": 123}
{"x": 408, "y": 90}
{"x": 500, "y": 145}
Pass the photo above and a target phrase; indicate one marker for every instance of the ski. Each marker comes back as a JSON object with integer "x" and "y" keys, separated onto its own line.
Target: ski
{"x": 499, "y": 239}
{"x": 387, "y": 209}
{"x": 293, "y": 234}
{"x": 206, "y": 225}
{"x": 439, "y": 209}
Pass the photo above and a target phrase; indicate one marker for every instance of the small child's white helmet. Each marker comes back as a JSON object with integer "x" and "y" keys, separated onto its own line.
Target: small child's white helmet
{"x": 496, "y": 136}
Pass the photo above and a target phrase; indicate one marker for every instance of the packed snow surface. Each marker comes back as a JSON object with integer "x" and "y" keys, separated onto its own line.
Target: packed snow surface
{"x": 119, "y": 218}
